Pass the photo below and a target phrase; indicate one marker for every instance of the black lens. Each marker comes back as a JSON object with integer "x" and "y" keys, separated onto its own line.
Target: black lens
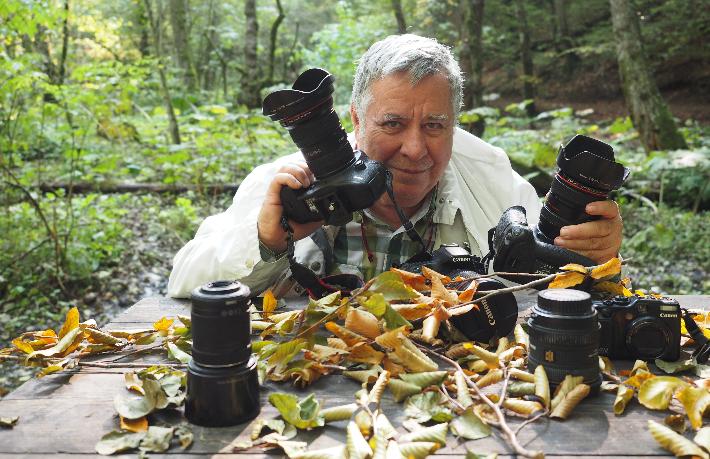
{"x": 587, "y": 173}
{"x": 495, "y": 317}
{"x": 221, "y": 326}
{"x": 564, "y": 336}
{"x": 647, "y": 338}
{"x": 307, "y": 112}
{"x": 222, "y": 382}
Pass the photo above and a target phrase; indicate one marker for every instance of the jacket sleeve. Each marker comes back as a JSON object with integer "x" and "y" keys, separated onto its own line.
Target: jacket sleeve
{"x": 226, "y": 245}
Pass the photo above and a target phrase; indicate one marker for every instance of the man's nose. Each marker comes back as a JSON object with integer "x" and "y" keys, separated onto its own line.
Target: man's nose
{"x": 413, "y": 143}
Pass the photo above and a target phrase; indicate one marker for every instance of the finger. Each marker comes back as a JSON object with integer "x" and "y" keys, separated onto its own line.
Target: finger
{"x": 300, "y": 171}
{"x": 588, "y": 230}
{"x": 605, "y": 209}
{"x": 592, "y": 244}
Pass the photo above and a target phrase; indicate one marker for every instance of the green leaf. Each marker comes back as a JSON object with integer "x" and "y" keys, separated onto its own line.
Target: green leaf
{"x": 468, "y": 425}
{"x": 424, "y": 379}
{"x": 184, "y": 435}
{"x": 137, "y": 406}
{"x": 117, "y": 441}
{"x": 676, "y": 367}
{"x": 391, "y": 286}
{"x": 427, "y": 406}
{"x": 283, "y": 354}
{"x": 376, "y": 304}
{"x": 178, "y": 354}
{"x": 435, "y": 433}
{"x": 302, "y": 415}
{"x": 401, "y": 390}
{"x": 157, "y": 439}
{"x": 393, "y": 319}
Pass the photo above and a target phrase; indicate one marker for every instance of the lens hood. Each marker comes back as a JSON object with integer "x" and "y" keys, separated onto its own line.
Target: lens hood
{"x": 312, "y": 88}
{"x": 590, "y": 162}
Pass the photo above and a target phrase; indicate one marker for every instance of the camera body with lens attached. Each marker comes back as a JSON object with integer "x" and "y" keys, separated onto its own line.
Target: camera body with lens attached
{"x": 639, "y": 328}
{"x": 495, "y": 316}
{"x": 346, "y": 180}
{"x": 587, "y": 172}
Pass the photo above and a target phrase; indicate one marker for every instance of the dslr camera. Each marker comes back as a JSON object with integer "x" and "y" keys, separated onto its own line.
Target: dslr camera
{"x": 495, "y": 317}
{"x": 346, "y": 180}
{"x": 639, "y": 328}
{"x": 587, "y": 173}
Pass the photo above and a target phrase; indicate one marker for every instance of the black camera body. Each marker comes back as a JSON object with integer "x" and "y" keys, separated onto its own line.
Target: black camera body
{"x": 586, "y": 173}
{"x": 639, "y": 328}
{"x": 518, "y": 247}
{"x": 495, "y": 316}
{"x": 336, "y": 197}
{"x": 346, "y": 181}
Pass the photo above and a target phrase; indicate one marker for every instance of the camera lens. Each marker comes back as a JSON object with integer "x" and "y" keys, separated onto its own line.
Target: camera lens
{"x": 495, "y": 316}
{"x": 222, "y": 382}
{"x": 221, "y": 327}
{"x": 587, "y": 173}
{"x": 306, "y": 111}
{"x": 564, "y": 336}
{"x": 648, "y": 338}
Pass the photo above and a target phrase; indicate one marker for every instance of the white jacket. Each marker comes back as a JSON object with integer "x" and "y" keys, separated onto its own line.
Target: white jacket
{"x": 477, "y": 186}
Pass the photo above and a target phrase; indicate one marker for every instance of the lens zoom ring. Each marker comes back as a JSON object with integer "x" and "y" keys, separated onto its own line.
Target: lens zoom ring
{"x": 561, "y": 339}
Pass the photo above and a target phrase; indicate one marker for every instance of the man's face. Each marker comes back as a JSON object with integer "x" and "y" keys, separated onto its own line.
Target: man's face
{"x": 410, "y": 129}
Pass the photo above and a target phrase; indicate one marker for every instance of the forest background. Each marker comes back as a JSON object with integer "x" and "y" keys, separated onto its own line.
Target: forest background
{"x": 125, "y": 123}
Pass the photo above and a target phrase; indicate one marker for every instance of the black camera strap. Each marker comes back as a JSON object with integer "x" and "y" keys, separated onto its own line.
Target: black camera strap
{"x": 406, "y": 222}
{"x": 702, "y": 351}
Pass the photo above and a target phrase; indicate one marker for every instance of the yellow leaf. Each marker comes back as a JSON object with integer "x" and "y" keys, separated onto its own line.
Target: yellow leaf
{"x": 612, "y": 287}
{"x": 70, "y": 323}
{"x": 607, "y": 270}
{"x": 269, "y": 304}
{"x": 542, "y": 385}
{"x": 163, "y": 325}
{"x": 565, "y": 407}
{"x": 623, "y": 395}
{"x": 364, "y": 353}
{"x": 674, "y": 442}
{"x": 492, "y": 360}
{"x": 431, "y": 274}
{"x": 362, "y": 322}
{"x": 523, "y": 407}
{"x": 695, "y": 400}
{"x": 133, "y": 382}
{"x": 656, "y": 393}
{"x": 134, "y": 425}
{"x": 416, "y": 281}
{"x": 438, "y": 291}
{"x": 568, "y": 279}
{"x": 22, "y": 345}
{"x": 350, "y": 337}
{"x": 569, "y": 383}
{"x": 575, "y": 268}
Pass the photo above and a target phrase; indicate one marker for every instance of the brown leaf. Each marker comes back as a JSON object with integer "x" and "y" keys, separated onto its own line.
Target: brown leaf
{"x": 431, "y": 274}
{"x": 351, "y": 338}
{"x": 414, "y": 280}
{"x": 134, "y": 425}
{"x": 675, "y": 422}
{"x": 413, "y": 311}
{"x": 364, "y": 353}
{"x": 573, "y": 267}
{"x": 673, "y": 442}
{"x": 439, "y": 292}
{"x": 565, "y": 407}
{"x": 363, "y": 322}
{"x": 567, "y": 279}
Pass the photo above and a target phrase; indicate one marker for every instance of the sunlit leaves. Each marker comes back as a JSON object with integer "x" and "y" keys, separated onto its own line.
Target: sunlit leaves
{"x": 695, "y": 401}
{"x": 303, "y": 414}
{"x": 565, "y": 407}
{"x": 623, "y": 395}
{"x": 468, "y": 425}
{"x": 656, "y": 393}
{"x": 673, "y": 442}
{"x": 118, "y": 441}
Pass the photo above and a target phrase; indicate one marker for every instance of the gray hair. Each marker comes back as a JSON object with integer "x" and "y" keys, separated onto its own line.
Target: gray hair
{"x": 418, "y": 56}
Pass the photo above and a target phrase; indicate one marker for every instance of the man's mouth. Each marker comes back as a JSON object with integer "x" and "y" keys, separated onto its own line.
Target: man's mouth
{"x": 410, "y": 171}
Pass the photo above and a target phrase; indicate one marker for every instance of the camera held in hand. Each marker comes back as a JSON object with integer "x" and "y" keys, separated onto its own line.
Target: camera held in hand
{"x": 587, "y": 173}
{"x": 222, "y": 382}
{"x": 639, "y": 328}
{"x": 346, "y": 180}
{"x": 495, "y": 316}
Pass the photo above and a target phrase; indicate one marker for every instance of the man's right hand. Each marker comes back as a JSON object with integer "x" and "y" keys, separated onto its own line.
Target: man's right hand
{"x": 294, "y": 175}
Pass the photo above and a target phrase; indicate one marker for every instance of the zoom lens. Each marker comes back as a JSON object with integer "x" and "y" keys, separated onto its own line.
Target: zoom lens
{"x": 564, "y": 336}
{"x": 648, "y": 338}
{"x": 222, "y": 382}
{"x": 306, "y": 111}
{"x": 587, "y": 173}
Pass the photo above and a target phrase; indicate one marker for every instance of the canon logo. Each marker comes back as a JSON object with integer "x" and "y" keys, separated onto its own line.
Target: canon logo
{"x": 663, "y": 314}
{"x": 489, "y": 313}
{"x": 461, "y": 259}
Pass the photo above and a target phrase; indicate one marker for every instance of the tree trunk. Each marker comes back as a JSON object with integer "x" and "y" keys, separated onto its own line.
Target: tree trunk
{"x": 272, "y": 42}
{"x": 251, "y": 83}
{"x": 474, "y": 27}
{"x": 527, "y": 77}
{"x": 210, "y": 39}
{"x": 61, "y": 68}
{"x": 564, "y": 41}
{"x": 155, "y": 26}
{"x": 649, "y": 112}
{"x": 181, "y": 47}
{"x": 399, "y": 15}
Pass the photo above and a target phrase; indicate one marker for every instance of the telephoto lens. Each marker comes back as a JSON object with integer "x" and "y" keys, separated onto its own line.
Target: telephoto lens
{"x": 222, "y": 382}
{"x": 564, "y": 336}
{"x": 587, "y": 173}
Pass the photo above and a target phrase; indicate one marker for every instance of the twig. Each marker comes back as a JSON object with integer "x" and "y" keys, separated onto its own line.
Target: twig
{"x": 506, "y": 378}
{"x": 530, "y": 421}
{"x": 445, "y": 393}
{"x": 507, "y": 431}
{"x": 101, "y": 364}
{"x": 137, "y": 351}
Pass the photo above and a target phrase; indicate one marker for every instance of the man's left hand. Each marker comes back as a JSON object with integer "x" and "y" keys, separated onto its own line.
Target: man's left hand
{"x": 598, "y": 240}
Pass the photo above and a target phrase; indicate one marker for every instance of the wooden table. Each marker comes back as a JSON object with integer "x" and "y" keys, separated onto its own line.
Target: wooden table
{"x": 64, "y": 415}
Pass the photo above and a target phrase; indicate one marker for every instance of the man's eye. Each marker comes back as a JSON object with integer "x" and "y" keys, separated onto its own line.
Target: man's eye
{"x": 392, "y": 124}
{"x": 435, "y": 125}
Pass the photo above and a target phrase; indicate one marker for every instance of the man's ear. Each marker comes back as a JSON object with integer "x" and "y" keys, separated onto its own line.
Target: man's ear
{"x": 356, "y": 123}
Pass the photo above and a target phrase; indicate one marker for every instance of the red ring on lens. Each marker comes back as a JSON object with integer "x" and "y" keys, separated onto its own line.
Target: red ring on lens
{"x": 581, "y": 188}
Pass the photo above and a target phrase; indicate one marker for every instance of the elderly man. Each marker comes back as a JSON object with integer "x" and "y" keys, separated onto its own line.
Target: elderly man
{"x": 452, "y": 186}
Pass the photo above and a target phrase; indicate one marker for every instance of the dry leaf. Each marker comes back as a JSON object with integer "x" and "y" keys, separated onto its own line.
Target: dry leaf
{"x": 542, "y": 385}
{"x": 70, "y": 322}
{"x": 413, "y": 311}
{"x": 414, "y": 280}
{"x": 521, "y": 337}
{"x": 431, "y": 275}
{"x": 522, "y": 407}
{"x": 350, "y": 337}
{"x": 656, "y": 393}
{"x": 268, "y": 305}
{"x": 134, "y": 425}
{"x": 673, "y": 442}
{"x": 623, "y": 395}
{"x": 567, "y": 279}
{"x": 521, "y": 375}
{"x": 675, "y": 422}
{"x": 439, "y": 292}
{"x": 565, "y": 407}
{"x": 402, "y": 389}
{"x": 364, "y": 353}
{"x": 609, "y": 269}
{"x": 573, "y": 267}
{"x": 363, "y": 322}
{"x": 695, "y": 400}
{"x": 338, "y": 413}
{"x": 492, "y": 377}
{"x": 491, "y": 359}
